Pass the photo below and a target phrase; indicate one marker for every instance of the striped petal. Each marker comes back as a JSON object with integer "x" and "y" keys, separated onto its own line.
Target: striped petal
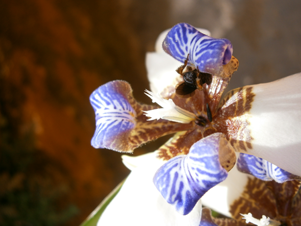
{"x": 205, "y": 53}
{"x": 264, "y": 120}
{"x": 113, "y": 114}
{"x": 161, "y": 67}
{"x": 263, "y": 169}
{"x": 139, "y": 203}
{"x": 120, "y": 121}
{"x": 162, "y": 36}
{"x": 220, "y": 197}
{"x": 183, "y": 180}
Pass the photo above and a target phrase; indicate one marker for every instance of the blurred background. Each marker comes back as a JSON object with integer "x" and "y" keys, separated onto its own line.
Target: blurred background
{"x": 53, "y": 54}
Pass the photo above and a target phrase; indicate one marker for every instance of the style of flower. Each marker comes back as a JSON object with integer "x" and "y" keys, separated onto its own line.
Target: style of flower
{"x": 255, "y": 120}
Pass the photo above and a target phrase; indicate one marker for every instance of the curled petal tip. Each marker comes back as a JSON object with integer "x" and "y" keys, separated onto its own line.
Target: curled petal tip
{"x": 263, "y": 169}
{"x": 183, "y": 180}
{"x": 205, "y": 53}
{"x": 114, "y": 115}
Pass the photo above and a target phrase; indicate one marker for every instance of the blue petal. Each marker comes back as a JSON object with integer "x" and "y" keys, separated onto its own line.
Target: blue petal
{"x": 205, "y": 53}
{"x": 113, "y": 112}
{"x": 183, "y": 180}
{"x": 263, "y": 169}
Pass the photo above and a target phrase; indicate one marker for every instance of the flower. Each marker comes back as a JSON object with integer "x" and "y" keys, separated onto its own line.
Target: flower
{"x": 208, "y": 131}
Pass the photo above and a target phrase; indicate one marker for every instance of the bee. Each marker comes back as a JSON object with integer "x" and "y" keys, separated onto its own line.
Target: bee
{"x": 193, "y": 79}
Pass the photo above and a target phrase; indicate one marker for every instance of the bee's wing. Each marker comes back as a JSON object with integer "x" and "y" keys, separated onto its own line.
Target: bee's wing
{"x": 185, "y": 90}
{"x": 205, "y": 53}
{"x": 205, "y": 78}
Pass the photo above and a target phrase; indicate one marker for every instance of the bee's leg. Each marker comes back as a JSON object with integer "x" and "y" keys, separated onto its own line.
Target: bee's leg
{"x": 180, "y": 69}
{"x": 186, "y": 61}
{"x": 199, "y": 83}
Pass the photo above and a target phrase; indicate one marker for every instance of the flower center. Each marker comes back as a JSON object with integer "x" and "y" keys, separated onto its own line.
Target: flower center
{"x": 201, "y": 121}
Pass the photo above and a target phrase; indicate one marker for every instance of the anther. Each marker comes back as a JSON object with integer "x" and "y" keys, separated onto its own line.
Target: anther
{"x": 201, "y": 121}
{"x": 209, "y": 115}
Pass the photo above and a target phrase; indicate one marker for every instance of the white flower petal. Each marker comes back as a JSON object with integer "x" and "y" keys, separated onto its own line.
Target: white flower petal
{"x": 277, "y": 100}
{"x": 220, "y": 197}
{"x": 161, "y": 71}
{"x": 169, "y": 110}
{"x": 133, "y": 162}
{"x": 140, "y": 203}
{"x": 168, "y": 104}
{"x": 275, "y": 123}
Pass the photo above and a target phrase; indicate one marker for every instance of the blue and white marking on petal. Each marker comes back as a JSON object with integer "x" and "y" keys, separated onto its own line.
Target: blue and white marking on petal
{"x": 263, "y": 169}
{"x": 205, "y": 53}
{"x": 114, "y": 115}
{"x": 183, "y": 180}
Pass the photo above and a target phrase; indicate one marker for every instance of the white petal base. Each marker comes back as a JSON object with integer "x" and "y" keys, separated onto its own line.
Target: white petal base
{"x": 140, "y": 203}
{"x": 275, "y": 123}
{"x": 161, "y": 71}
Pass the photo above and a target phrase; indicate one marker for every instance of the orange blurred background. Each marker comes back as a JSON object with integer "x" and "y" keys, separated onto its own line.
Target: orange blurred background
{"x": 53, "y": 54}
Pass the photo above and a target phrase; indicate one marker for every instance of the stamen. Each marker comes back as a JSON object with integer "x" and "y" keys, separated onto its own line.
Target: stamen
{"x": 264, "y": 221}
{"x": 201, "y": 121}
{"x": 209, "y": 115}
{"x": 169, "y": 110}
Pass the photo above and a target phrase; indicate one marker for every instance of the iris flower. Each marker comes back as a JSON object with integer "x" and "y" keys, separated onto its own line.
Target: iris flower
{"x": 259, "y": 123}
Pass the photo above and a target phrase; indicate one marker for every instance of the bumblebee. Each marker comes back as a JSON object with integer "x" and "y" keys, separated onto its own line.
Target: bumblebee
{"x": 193, "y": 79}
